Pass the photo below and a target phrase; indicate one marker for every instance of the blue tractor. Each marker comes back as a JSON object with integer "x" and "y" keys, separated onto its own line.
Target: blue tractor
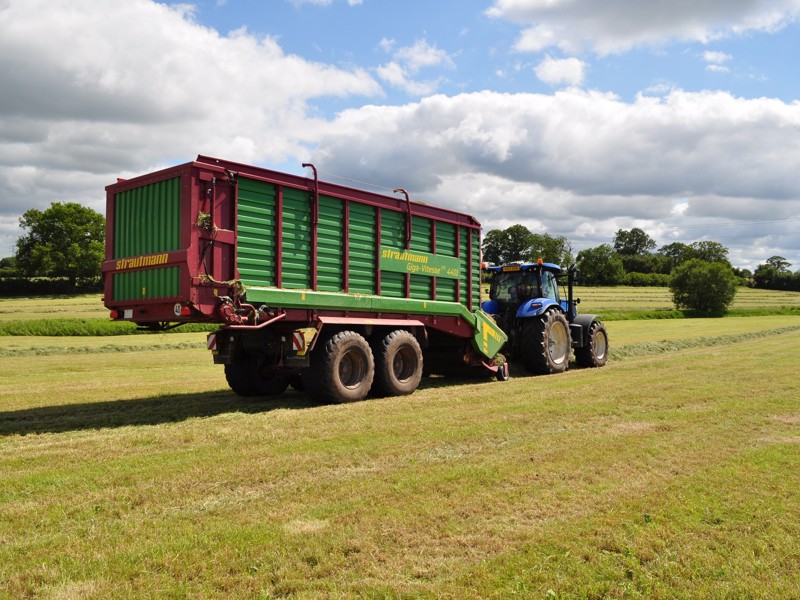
{"x": 541, "y": 326}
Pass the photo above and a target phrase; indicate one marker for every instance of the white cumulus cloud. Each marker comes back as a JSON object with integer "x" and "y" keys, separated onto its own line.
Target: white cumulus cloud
{"x": 94, "y": 90}
{"x": 618, "y": 25}
{"x": 560, "y": 71}
{"x": 408, "y": 61}
{"x": 584, "y": 161}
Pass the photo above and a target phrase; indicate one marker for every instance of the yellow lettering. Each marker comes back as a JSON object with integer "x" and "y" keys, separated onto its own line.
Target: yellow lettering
{"x": 142, "y": 261}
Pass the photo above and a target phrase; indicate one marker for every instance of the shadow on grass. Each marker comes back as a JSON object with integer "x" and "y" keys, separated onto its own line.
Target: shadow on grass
{"x": 173, "y": 408}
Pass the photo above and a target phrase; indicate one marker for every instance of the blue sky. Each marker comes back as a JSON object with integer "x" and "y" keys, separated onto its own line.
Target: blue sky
{"x": 482, "y": 54}
{"x": 573, "y": 117}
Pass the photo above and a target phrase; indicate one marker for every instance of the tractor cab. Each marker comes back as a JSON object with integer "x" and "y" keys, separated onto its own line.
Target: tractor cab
{"x": 523, "y": 286}
{"x": 514, "y": 284}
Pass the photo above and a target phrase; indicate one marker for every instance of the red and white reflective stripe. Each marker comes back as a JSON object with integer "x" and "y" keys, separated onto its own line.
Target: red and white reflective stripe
{"x": 211, "y": 341}
{"x": 298, "y": 341}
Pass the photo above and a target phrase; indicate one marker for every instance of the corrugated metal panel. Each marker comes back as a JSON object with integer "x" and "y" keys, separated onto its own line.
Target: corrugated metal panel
{"x": 330, "y": 249}
{"x": 362, "y": 248}
{"x": 421, "y": 242}
{"x": 446, "y": 245}
{"x": 147, "y": 219}
{"x": 296, "y": 248}
{"x": 256, "y": 232}
{"x": 463, "y": 281}
{"x": 393, "y": 235}
{"x": 476, "y": 269}
{"x": 147, "y": 284}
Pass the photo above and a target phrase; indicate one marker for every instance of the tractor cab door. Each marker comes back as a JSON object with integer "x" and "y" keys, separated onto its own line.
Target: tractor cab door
{"x": 550, "y": 287}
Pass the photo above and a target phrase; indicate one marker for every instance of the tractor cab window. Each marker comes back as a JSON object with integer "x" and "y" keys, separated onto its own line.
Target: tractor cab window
{"x": 549, "y": 286}
{"x": 515, "y": 287}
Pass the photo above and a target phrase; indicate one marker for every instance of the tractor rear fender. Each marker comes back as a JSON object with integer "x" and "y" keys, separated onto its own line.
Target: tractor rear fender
{"x": 584, "y": 322}
{"x": 536, "y": 307}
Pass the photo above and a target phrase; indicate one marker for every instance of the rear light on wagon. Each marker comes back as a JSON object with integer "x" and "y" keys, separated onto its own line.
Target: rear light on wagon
{"x": 114, "y": 314}
{"x": 181, "y": 311}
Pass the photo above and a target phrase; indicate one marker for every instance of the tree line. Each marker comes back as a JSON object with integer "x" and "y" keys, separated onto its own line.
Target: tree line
{"x": 61, "y": 251}
{"x": 632, "y": 258}
{"x": 67, "y": 241}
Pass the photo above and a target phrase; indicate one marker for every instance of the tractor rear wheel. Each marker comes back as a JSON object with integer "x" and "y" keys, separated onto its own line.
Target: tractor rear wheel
{"x": 398, "y": 364}
{"x": 342, "y": 369}
{"x": 545, "y": 344}
{"x": 595, "y": 352}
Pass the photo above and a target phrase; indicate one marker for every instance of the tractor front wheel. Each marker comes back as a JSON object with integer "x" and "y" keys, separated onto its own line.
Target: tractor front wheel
{"x": 545, "y": 344}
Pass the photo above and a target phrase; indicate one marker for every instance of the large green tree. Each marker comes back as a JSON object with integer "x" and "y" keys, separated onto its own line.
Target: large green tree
{"x": 780, "y": 264}
{"x": 556, "y": 249}
{"x": 634, "y": 241}
{"x": 507, "y": 245}
{"x": 600, "y": 266}
{"x": 518, "y": 243}
{"x": 675, "y": 253}
{"x": 707, "y": 287}
{"x": 774, "y": 274}
{"x": 709, "y": 251}
{"x": 65, "y": 240}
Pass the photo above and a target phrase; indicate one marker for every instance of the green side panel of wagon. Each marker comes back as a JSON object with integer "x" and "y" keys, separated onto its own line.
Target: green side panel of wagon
{"x": 446, "y": 288}
{"x": 256, "y": 232}
{"x": 258, "y": 224}
{"x": 363, "y": 267}
{"x": 330, "y": 245}
{"x": 393, "y": 235}
{"x": 147, "y": 284}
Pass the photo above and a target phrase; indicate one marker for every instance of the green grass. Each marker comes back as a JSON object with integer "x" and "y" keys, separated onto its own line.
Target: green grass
{"x": 138, "y": 475}
{"x": 86, "y": 316}
{"x": 38, "y": 345}
{"x": 622, "y": 302}
{"x": 88, "y": 306}
{"x": 88, "y": 328}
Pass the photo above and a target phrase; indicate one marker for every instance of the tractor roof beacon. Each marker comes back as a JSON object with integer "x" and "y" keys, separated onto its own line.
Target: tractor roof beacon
{"x": 541, "y": 326}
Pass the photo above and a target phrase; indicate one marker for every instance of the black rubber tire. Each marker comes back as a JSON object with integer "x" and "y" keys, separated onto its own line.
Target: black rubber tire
{"x": 398, "y": 364}
{"x": 245, "y": 379}
{"x": 595, "y": 352}
{"x": 342, "y": 369}
{"x": 502, "y": 372}
{"x": 296, "y": 381}
{"x": 545, "y": 344}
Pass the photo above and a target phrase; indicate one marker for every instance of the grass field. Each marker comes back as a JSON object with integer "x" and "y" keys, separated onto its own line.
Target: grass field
{"x": 129, "y": 470}
{"x": 88, "y": 306}
{"x": 593, "y": 300}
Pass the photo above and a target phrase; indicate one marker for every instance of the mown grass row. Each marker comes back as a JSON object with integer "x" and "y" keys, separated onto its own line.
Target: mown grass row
{"x": 86, "y": 327}
{"x": 663, "y": 346}
{"x": 104, "y": 349}
{"x": 636, "y": 315}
